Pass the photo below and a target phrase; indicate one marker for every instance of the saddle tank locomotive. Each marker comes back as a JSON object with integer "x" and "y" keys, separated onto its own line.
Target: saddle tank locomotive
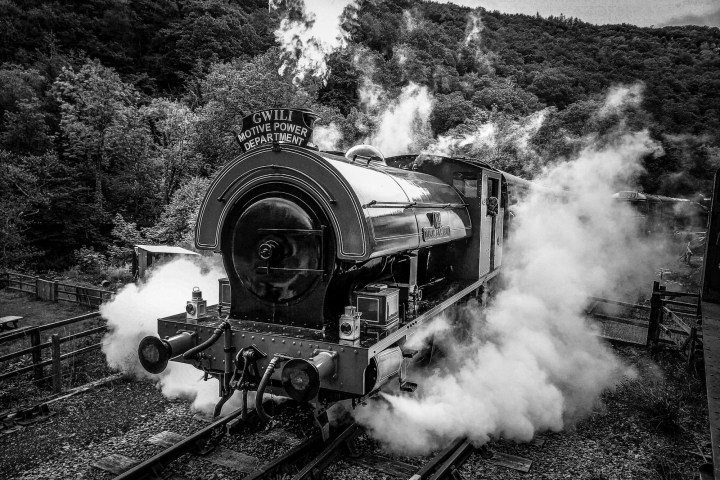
{"x": 333, "y": 262}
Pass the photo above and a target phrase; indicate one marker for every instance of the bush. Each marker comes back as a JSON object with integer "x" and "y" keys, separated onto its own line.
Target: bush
{"x": 119, "y": 274}
{"x": 89, "y": 261}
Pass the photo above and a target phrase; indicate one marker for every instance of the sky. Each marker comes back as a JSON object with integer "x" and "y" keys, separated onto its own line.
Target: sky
{"x": 644, "y": 13}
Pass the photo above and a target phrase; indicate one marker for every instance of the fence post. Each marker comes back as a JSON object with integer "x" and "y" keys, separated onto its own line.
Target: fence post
{"x": 56, "y": 366}
{"x": 36, "y": 355}
{"x": 655, "y": 316}
{"x": 691, "y": 348}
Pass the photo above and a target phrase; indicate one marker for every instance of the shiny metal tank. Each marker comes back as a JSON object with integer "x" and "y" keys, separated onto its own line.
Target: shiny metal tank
{"x": 374, "y": 210}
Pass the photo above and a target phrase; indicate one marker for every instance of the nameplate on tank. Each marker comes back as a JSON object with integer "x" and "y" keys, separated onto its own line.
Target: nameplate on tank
{"x": 430, "y": 233}
{"x": 276, "y": 125}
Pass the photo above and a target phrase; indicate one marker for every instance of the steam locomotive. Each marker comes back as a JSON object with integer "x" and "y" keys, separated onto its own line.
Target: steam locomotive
{"x": 659, "y": 214}
{"x": 333, "y": 262}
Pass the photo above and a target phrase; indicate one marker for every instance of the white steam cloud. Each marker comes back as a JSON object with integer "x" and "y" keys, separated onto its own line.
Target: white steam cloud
{"x": 308, "y": 41}
{"x": 403, "y": 122}
{"x": 474, "y": 29}
{"x": 327, "y": 137}
{"x": 620, "y": 98}
{"x": 478, "y": 135}
{"x": 452, "y": 144}
{"x": 133, "y": 314}
{"x": 532, "y": 362}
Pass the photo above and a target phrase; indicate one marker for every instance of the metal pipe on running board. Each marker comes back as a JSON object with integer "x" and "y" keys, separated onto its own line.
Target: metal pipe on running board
{"x": 150, "y": 468}
{"x": 209, "y": 342}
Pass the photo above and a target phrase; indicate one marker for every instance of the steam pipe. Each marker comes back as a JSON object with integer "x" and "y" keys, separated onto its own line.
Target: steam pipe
{"x": 263, "y": 383}
{"x": 235, "y": 383}
{"x": 227, "y": 388}
{"x": 229, "y": 370}
{"x": 220, "y": 403}
{"x": 209, "y": 342}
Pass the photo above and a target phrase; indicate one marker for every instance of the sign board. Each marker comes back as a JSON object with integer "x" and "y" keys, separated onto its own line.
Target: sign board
{"x": 281, "y": 125}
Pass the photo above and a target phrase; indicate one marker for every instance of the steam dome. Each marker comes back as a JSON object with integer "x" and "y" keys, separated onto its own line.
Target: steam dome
{"x": 365, "y": 151}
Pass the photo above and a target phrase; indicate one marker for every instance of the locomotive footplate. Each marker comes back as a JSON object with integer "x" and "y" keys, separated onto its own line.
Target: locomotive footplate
{"x": 349, "y": 375}
{"x": 273, "y": 339}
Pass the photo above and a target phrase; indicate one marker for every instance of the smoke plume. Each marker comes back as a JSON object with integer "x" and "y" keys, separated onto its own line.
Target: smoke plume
{"x": 473, "y": 29}
{"x": 133, "y": 314}
{"x": 309, "y": 37}
{"x": 327, "y": 137}
{"x": 404, "y": 122}
{"x": 487, "y": 136}
{"x": 620, "y": 98}
{"x": 530, "y": 361}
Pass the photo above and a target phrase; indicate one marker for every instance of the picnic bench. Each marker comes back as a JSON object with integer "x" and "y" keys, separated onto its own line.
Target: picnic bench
{"x": 9, "y": 322}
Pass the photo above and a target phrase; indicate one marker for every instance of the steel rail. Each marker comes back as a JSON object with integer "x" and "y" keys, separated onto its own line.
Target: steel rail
{"x": 438, "y": 459}
{"x": 291, "y": 455}
{"x": 152, "y": 467}
{"x": 326, "y": 456}
{"x": 456, "y": 458}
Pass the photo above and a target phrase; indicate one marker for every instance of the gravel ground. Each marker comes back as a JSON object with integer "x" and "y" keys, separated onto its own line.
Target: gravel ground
{"x": 651, "y": 428}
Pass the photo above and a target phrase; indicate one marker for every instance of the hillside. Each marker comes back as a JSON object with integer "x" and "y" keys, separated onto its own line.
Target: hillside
{"x": 116, "y": 113}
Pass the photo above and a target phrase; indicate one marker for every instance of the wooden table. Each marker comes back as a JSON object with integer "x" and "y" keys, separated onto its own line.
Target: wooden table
{"x": 9, "y": 322}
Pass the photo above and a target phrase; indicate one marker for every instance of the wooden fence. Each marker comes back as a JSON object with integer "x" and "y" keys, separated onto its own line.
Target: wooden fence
{"x": 54, "y": 345}
{"x": 53, "y": 291}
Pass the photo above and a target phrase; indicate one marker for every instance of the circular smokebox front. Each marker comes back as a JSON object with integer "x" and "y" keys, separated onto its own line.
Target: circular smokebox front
{"x": 277, "y": 247}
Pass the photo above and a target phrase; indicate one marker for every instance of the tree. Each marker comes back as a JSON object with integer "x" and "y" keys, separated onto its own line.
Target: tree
{"x": 133, "y": 171}
{"x": 177, "y": 221}
{"x": 23, "y": 194}
{"x": 504, "y": 95}
{"x": 235, "y": 89}
{"x": 210, "y": 31}
{"x": 449, "y": 111}
{"x": 90, "y": 101}
{"x": 25, "y": 130}
{"x": 125, "y": 236}
{"x": 174, "y": 128}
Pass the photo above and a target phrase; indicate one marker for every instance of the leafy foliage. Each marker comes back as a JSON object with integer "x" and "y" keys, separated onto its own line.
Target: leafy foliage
{"x": 176, "y": 225}
{"x": 114, "y": 114}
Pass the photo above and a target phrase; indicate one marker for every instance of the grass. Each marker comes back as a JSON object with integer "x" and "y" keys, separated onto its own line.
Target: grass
{"x": 667, "y": 406}
{"x": 76, "y": 371}
{"x": 667, "y": 469}
{"x": 662, "y": 405}
{"x": 38, "y": 312}
{"x": 34, "y": 311}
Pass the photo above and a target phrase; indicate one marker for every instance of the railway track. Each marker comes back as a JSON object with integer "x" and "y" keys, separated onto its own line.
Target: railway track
{"x": 304, "y": 459}
{"x": 12, "y": 420}
{"x": 202, "y": 443}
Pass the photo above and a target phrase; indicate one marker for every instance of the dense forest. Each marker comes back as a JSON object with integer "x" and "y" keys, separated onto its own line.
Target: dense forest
{"x": 115, "y": 114}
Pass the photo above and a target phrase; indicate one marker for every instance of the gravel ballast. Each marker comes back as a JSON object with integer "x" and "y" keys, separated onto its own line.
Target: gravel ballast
{"x": 652, "y": 427}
